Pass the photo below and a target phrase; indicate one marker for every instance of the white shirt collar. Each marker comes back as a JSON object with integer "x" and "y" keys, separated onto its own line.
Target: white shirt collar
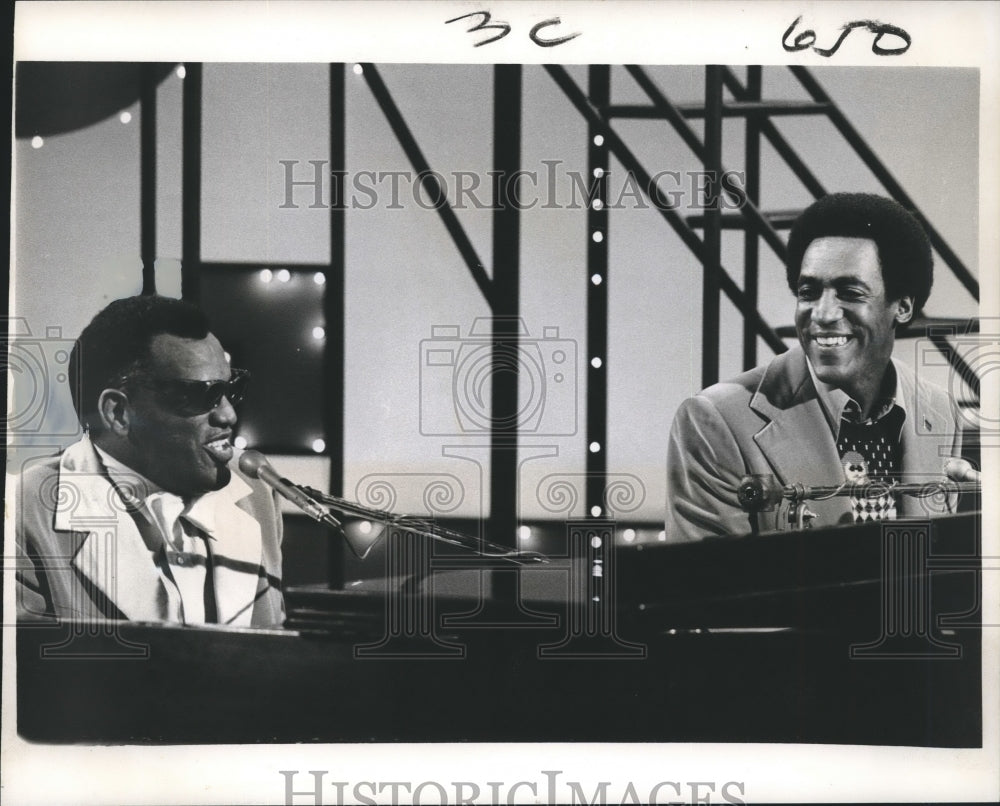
{"x": 137, "y": 490}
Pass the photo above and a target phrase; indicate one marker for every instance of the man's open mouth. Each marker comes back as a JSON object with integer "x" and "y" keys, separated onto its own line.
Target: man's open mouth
{"x": 220, "y": 449}
{"x": 831, "y": 341}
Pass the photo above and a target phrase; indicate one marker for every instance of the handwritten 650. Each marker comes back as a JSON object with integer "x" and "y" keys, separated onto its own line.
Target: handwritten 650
{"x": 807, "y": 38}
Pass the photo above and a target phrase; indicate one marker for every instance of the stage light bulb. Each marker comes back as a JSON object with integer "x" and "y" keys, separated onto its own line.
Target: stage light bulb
{"x": 266, "y": 275}
{"x": 598, "y": 139}
{"x": 240, "y": 442}
{"x": 284, "y": 275}
{"x": 595, "y": 511}
{"x": 628, "y": 535}
{"x": 180, "y": 71}
{"x": 598, "y": 204}
{"x": 598, "y": 236}
{"x": 358, "y": 69}
{"x": 318, "y": 446}
{"x": 662, "y": 535}
{"x": 595, "y": 447}
{"x": 125, "y": 117}
{"x": 598, "y": 173}
{"x": 524, "y": 532}
{"x": 596, "y": 362}
{"x": 319, "y": 278}
{"x": 37, "y": 142}
{"x": 596, "y": 542}
{"x": 596, "y": 279}
{"x": 365, "y": 527}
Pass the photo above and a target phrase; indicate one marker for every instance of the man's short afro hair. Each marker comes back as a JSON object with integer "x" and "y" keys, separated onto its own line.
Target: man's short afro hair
{"x": 904, "y": 250}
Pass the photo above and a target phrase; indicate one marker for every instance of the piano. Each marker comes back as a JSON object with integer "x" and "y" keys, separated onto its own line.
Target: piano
{"x": 850, "y": 635}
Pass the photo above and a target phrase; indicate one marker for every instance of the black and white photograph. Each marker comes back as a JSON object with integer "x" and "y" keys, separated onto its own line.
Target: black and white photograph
{"x": 476, "y": 403}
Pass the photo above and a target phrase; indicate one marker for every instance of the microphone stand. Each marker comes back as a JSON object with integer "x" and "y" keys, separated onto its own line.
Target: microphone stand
{"x": 762, "y": 493}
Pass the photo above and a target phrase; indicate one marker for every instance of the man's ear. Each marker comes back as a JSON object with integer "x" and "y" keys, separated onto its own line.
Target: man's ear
{"x": 113, "y": 409}
{"x": 904, "y": 310}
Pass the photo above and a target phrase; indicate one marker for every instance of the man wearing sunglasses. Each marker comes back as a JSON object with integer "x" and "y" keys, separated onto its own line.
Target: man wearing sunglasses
{"x": 148, "y": 517}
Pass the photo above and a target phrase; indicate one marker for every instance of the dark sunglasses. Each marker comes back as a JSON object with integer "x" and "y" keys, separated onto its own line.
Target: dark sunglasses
{"x": 190, "y": 398}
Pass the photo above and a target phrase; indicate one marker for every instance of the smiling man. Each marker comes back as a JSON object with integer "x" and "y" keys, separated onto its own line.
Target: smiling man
{"x": 148, "y": 517}
{"x": 860, "y": 267}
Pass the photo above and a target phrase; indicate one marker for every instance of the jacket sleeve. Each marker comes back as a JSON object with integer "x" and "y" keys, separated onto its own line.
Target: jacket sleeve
{"x": 32, "y": 593}
{"x": 704, "y": 469}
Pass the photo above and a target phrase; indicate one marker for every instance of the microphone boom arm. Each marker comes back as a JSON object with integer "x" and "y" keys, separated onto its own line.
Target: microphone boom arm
{"x": 419, "y": 526}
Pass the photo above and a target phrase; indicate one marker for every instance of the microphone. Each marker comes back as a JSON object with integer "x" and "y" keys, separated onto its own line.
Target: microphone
{"x": 759, "y": 493}
{"x": 961, "y": 470}
{"x": 255, "y": 465}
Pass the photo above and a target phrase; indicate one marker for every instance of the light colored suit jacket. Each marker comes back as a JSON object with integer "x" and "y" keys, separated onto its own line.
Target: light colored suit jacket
{"x": 770, "y": 420}
{"x": 81, "y": 555}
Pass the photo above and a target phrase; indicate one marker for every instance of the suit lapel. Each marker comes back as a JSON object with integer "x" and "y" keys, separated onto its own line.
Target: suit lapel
{"x": 235, "y": 543}
{"x": 115, "y": 557}
{"x": 796, "y": 440}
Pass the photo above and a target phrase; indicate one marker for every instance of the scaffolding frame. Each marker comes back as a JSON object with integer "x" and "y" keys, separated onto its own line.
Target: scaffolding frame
{"x": 501, "y": 292}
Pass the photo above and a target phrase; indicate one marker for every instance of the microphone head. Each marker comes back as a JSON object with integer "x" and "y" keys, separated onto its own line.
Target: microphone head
{"x": 758, "y": 493}
{"x": 251, "y": 463}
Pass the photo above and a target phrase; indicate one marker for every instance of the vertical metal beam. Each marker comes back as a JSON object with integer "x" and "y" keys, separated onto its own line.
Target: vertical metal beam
{"x": 506, "y": 303}
{"x": 191, "y": 182}
{"x": 751, "y": 240}
{"x": 599, "y": 90}
{"x": 333, "y": 314}
{"x": 711, "y": 257}
{"x": 147, "y": 176}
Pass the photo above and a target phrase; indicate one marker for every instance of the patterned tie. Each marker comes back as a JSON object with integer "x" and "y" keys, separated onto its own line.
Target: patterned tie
{"x": 869, "y": 456}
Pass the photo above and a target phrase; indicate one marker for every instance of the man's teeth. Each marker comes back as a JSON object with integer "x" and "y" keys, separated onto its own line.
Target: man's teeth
{"x": 219, "y": 444}
{"x": 831, "y": 341}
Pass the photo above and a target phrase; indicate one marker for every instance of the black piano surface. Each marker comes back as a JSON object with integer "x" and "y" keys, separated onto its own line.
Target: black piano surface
{"x": 855, "y": 635}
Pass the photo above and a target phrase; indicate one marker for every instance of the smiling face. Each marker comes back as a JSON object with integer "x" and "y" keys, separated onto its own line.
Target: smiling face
{"x": 183, "y": 453}
{"x": 844, "y": 321}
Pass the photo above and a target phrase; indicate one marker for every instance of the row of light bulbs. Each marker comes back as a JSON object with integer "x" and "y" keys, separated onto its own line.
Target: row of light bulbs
{"x": 525, "y": 534}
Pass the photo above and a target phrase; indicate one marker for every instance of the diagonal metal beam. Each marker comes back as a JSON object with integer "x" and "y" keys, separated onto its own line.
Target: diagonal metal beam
{"x": 889, "y": 182}
{"x": 749, "y": 209}
{"x": 428, "y": 179}
{"x": 668, "y": 211}
{"x": 781, "y": 145}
